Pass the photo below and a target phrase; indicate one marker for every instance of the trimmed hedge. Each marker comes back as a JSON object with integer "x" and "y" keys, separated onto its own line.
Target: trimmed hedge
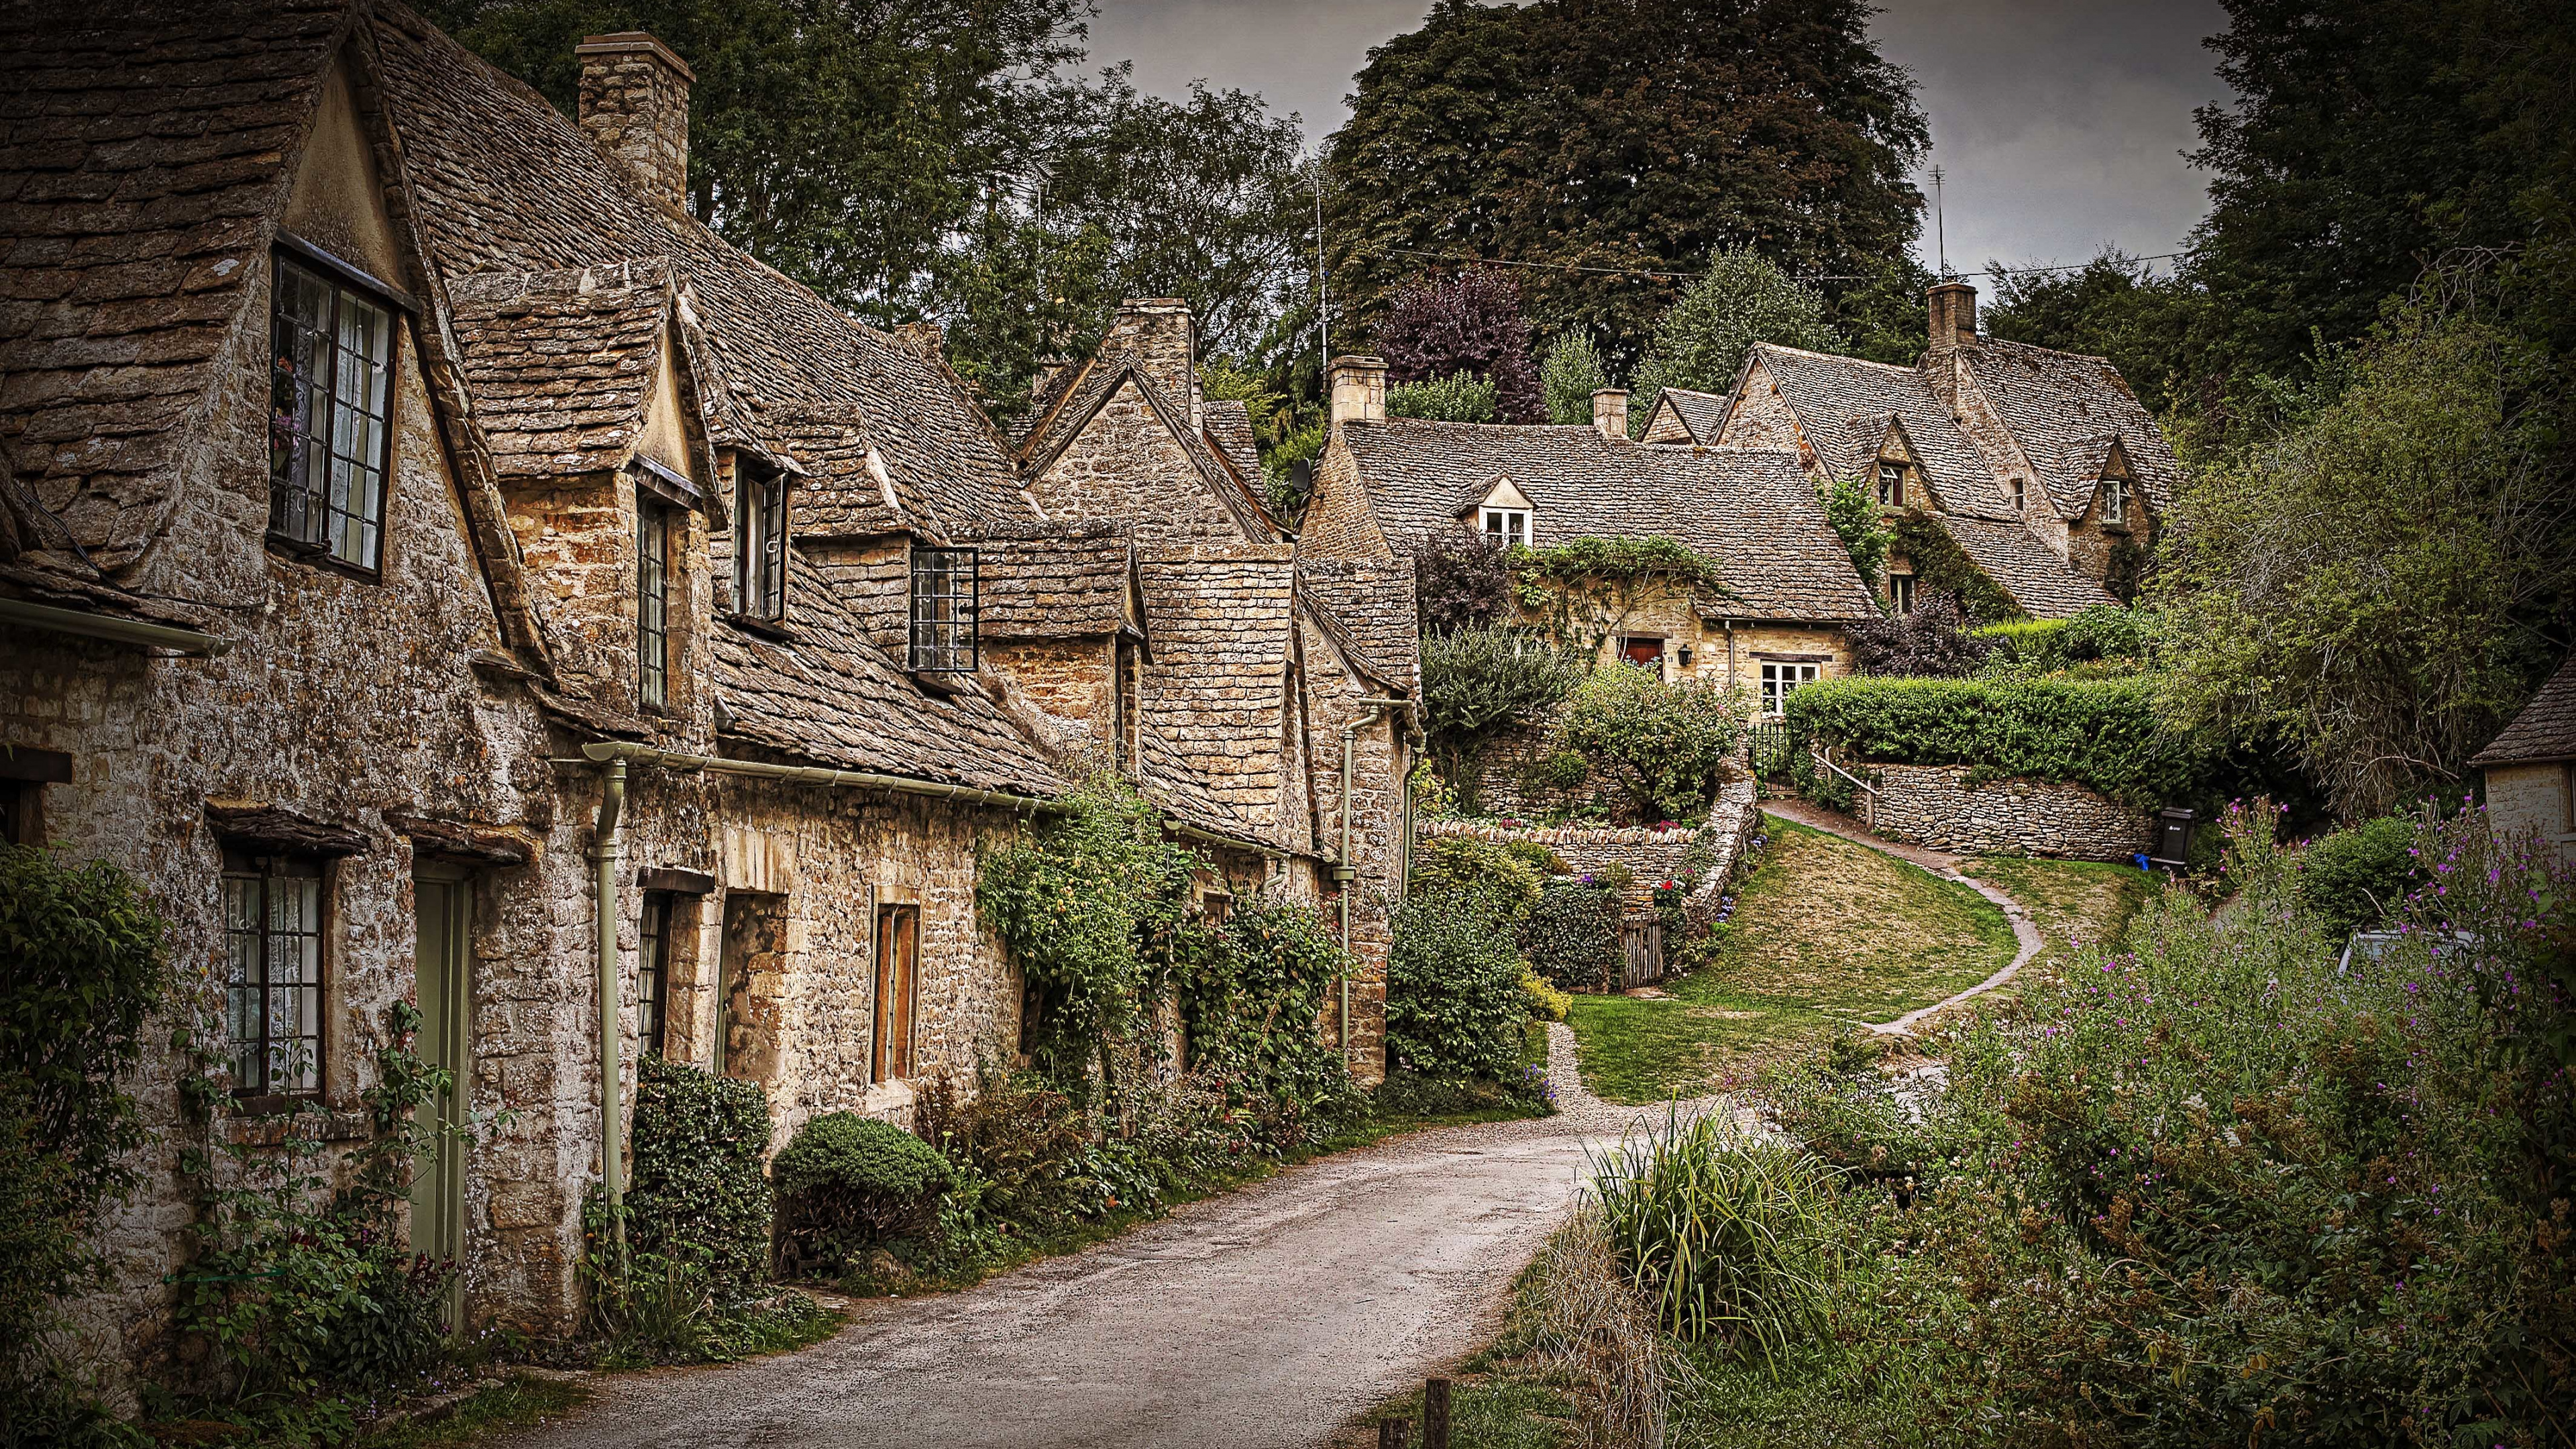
{"x": 2099, "y": 733}
{"x": 698, "y": 1186}
{"x": 1572, "y": 937}
{"x": 847, "y": 1183}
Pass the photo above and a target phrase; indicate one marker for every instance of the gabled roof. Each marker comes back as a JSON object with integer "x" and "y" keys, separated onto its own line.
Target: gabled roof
{"x": 1701, "y": 414}
{"x": 828, "y": 696}
{"x": 1754, "y": 512}
{"x": 1366, "y": 608}
{"x": 1229, "y": 428}
{"x": 561, "y": 363}
{"x": 2063, "y": 408}
{"x": 141, "y": 156}
{"x": 1845, "y": 405}
{"x": 1053, "y": 580}
{"x": 1221, "y": 618}
{"x": 2023, "y": 567}
{"x": 1089, "y": 389}
{"x": 2544, "y": 731}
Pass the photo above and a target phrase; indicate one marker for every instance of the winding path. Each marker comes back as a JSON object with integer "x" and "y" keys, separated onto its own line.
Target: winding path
{"x": 1265, "y": 1317}
{"x": 1941, "y": 863}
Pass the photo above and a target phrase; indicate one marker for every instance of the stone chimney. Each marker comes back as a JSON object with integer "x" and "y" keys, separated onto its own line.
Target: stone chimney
{"x": 1610, "y": 412}
{"x": 1954, "y": 315}
{"x": 1359, "y": 389}
{"x": 635, "y": 107}
{"x": 1164, "y": 338}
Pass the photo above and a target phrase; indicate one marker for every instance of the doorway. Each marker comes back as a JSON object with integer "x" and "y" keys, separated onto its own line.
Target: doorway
{"x": 898, "y": 990}
{"x": 442, "y": 907}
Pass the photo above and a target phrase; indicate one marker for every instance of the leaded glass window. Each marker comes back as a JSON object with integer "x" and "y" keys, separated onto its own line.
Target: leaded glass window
{"x": 943, "y": 610}
{"x": 273, "y": 946}
{"x": 653, "y": 604}
{"x": 330, "y": 400}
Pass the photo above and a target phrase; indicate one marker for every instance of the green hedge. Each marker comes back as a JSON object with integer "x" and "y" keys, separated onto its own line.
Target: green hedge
{"x": 698, "y": 1187}
{"x": 2100, "y": 733}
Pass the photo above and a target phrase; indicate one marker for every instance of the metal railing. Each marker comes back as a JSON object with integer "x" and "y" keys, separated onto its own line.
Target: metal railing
{"x": 1772, "y": 747}
{"x": 1867, "y": 794}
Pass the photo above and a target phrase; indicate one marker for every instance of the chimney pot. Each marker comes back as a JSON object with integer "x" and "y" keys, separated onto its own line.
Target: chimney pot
{"x": 635, "y": 107}
{"x": 1610, "y": 412}
{"x": 1359, "y": 389}
{"x": 1954, "y": 315}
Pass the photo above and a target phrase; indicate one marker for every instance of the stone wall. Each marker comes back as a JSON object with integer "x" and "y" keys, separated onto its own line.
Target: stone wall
{"x": 1651, "y": 855}
{"x": 1936, "y": 805}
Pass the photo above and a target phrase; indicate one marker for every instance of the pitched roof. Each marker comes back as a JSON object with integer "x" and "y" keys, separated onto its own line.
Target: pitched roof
{"x": 1099, "y": 379}
{"x": 2023, "y": 567}
{"x": 489, "y": 163}
{"x": 1369, "y": 603}
{"x": 2544, "y": 731}
{"x": 1229, "y": 427}
{"x": 1215, "y": 691}
{"x": 560, "y": 363}
{"x": 1845, "y": 405}
{"x": 1053, "y": 580}
{"x": 828, "y": 696}
{"x": 2063, "y": 408}
{"x": 1701, "y": 413}
{"x": 1755, "y": 513}
{"x": 142, "y": 149}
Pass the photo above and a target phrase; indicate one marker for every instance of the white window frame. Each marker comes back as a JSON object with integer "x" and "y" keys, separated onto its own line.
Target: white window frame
{"x": 2115, "y": 498}
{"x": 1780, "y": 679}
{"x": 1508, "y": 526}
{"x": 1891, "y": 483}
{"x": 1900, "y": 593}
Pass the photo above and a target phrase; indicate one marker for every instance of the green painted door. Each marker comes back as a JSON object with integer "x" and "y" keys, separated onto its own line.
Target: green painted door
{"x": 443, "y": 906}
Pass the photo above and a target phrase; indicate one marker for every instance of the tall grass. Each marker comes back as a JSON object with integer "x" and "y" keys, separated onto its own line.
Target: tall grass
{"x": 1596, "y": 1332}
{"x": 1728, "y": 1236}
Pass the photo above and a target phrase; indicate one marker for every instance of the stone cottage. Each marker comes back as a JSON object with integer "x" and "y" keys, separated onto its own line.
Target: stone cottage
{"x": 2530, "y": 769}
{"x": 2040, "y": 466}
{"x": 1786, "y": 587}
{"x": 442, "y": 570}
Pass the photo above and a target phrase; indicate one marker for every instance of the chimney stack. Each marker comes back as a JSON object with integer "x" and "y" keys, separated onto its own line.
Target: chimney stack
{"x": 635, "y": 107}
{"x": 1359, "y": 389}
{"x": 1164, "y": 339}
{"x": 1954, "y": 315}
{"x": 1610, "y": 413}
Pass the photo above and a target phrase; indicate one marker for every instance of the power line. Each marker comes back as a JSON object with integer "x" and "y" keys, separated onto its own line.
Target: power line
{"x": 1670, "y": 275}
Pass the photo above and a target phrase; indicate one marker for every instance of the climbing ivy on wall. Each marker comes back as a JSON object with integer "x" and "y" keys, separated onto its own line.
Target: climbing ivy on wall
{"x": 1587, "y": 588}
{"x": 1938, "y": 564}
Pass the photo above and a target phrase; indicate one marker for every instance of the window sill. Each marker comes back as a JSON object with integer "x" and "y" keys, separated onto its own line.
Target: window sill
{"x": 314, "y": 555}
{"x": 777, "y": 629}
{"x": 272, "y": 1121}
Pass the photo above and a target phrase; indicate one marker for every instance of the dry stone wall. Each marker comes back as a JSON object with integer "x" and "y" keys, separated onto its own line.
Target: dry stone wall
{"x": 1707, "y": 855}
{"x": 1937, "y": 805}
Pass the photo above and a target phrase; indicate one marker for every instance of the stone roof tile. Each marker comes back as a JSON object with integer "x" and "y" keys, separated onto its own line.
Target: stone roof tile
{"x": 1702, "y": 413}
{"x": 1845, "y": 405}
{"x": 2544, "y": 731}
{"x": 2063, "y": 408}
{"x": 560, "y": 363}
{"x": 2023, "y": 567}
{"x": 1371, "y": 602}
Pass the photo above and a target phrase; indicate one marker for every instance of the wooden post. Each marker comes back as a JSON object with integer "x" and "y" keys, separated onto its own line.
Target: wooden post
{"x": 1435, "y": 1414}
{"x": 1391, "y": 1433}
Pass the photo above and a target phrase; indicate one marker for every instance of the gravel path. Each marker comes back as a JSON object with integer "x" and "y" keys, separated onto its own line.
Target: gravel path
{"x": 1268, "y": 1316}
{"x": 1941, "y": 863}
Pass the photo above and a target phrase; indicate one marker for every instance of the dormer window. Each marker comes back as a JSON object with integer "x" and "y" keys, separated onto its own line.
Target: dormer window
{"x": 1507, "y": 527}
{"x": 2115, "y": 498}
{"x": 2020, "y": 495}
{"x": 943, "y": 610}
{"x": 652, "y": 603}
{"x": 1891, "y": 484}
{"x": 330, "y": 390}
{"x": 760, "y": 568}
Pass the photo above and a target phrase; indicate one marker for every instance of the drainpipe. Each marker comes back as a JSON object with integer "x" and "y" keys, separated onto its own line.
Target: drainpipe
{"x": 608, "y": 849}
{"x": 1346, "y": 874}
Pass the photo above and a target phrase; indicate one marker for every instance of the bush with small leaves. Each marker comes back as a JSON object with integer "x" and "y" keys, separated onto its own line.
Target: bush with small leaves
{"x": 847, "y": 1183}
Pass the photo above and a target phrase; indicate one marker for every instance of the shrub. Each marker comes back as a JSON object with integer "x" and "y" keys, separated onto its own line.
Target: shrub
{"x": 1014, "y": 1134}
{"x": 2354, "y": 879}
{"x": 2099, "y": 733}
{"x": 1941, "y": 569}
{"x": 1461, "y": 579}
{"x": 698, "y": 1192}
{"x": 87, "y": 963}
{"x": 1664, "y": 745}
{"x": 1729, "y": 1237}
{"x": 1480, "y": 680}
{"x": 1250, "y": 996}
{"x": 1851, "y": 508}
{"x": 1571, "y": 375}
{"x": 1546, "y": 1003}
{"x": 1492, "y": 878}
{"x": 1453, "y": 995}
{"x": 2043, "y": 646}
{"x": 1461, "y": 397}
{"x": 847, "y": 1183}
{"x": 1538, "y": 857}
{"x": 1572, "y": 937}
{"x": 1927, "y": 643}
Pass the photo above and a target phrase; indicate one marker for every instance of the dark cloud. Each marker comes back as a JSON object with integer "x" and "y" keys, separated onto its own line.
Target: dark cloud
{"x": 2059, "y": 126}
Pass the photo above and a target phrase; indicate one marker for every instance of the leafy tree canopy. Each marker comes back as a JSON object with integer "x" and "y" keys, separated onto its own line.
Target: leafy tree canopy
{"x": 1625, "y": 134}
{"x": 1701, "y": 340}
{"x": 1572, "y": 374}
{"x": 1436, "y": 328}
{"x": 1459, "y": 398}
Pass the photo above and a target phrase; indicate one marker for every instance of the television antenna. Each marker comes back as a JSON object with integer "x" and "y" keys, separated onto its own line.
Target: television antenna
{"x": 1940, "y": 226}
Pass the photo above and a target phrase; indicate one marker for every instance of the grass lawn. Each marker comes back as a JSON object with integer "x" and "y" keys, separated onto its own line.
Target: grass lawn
{"x": 2069, "y": 901}
{"x": 1826, "y": 934}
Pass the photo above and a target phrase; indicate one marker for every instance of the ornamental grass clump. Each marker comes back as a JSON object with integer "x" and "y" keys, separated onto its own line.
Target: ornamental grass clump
{"x": 1731, "y": 1238}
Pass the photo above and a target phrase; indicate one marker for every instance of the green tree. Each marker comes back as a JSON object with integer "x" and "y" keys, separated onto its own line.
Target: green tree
{"x": 1623, "y": 134}
{"x": 1663, "y": 745}
{"x": 1571, "y": 375}
{"x": 1437, "y": 327}
{"x": 2387, "y": 580}
{"x": 2113, "y": 306}
{"x": 1481, "y": 680}
{"x": 1701, "y": 341}
{"x": 1459, "y": 398}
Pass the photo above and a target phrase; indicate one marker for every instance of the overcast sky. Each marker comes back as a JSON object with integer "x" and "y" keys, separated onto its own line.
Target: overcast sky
{"x": 2059, "y": 126}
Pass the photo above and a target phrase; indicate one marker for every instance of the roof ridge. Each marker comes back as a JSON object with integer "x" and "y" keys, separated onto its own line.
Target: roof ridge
{"x": 1831, "y": 357}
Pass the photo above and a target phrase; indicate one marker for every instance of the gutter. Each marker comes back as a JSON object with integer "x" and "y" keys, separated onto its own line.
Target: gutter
{"x": 103, "y": 626}
{"x": 616, "y": 751}
{"x": 1345, "y": 873}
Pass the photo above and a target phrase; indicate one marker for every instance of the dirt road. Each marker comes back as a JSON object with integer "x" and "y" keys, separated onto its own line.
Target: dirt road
{"x": 1266, "y": 1317}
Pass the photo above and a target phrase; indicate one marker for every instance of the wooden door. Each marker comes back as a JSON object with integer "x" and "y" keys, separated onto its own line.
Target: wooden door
{"x": 898, "y": 989}
{"x": 442, "y": 906}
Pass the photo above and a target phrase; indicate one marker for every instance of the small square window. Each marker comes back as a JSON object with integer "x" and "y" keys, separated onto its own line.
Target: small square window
{"x": 760, "y": 569}
{"x": 1891, "y": 484}
{"x": 273, "y": 950}
{"x": 1900, "y": 593}
{"x": 943, "y": 610}
{"x": 1507, "y": 527}
{"x": 2115, "y": 499}
{"x": 330, "y": 435}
